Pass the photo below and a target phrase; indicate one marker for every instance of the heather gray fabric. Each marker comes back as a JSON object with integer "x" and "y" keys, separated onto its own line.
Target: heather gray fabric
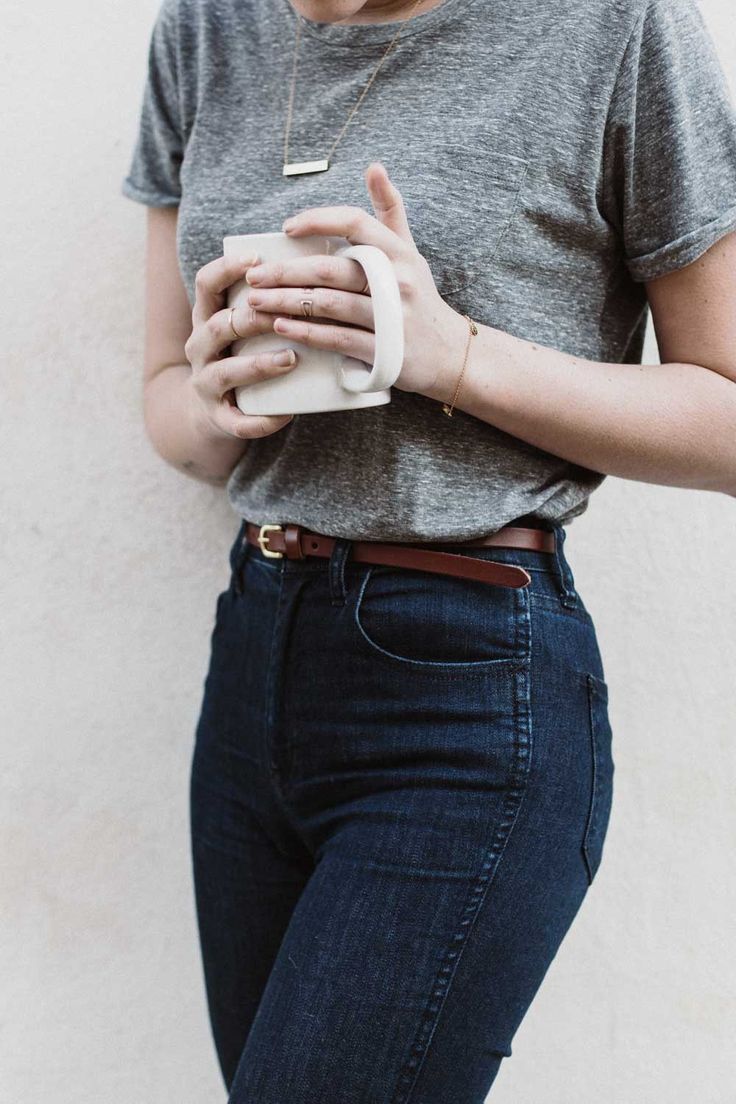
{"x": 552, "y": 157}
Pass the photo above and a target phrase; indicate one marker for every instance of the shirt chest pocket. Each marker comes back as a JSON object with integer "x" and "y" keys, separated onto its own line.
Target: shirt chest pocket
{"x": 460, "y": 201}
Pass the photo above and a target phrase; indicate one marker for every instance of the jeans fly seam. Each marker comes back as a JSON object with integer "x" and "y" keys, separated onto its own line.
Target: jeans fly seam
{"x": 477, "y": 891}
{"x": 269, "y": 712}
{"x": 281, "y": 773}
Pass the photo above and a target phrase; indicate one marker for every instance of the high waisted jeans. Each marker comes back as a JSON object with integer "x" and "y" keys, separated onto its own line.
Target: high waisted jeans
{"x": 400, "y": 789}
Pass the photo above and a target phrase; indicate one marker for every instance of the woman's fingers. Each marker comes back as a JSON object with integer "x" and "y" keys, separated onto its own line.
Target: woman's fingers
{"x": 212, "y": 281}
{"x": 246, "y": 426}
{"x": 348, "y": 340}
{"x": 353, "y": 223}
{"x": 210, "y": 337}
{"x": 327, "y": 302}
{"x": 316, "y": 268}
{"x": 215, "y": 377}
{"x": 214, "y": 385}
{"x": 220, "y": 376}
{"x": 232, "y": 372}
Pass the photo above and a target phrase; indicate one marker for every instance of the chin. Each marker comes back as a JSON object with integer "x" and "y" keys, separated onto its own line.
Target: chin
{"x": 327, "y": 11}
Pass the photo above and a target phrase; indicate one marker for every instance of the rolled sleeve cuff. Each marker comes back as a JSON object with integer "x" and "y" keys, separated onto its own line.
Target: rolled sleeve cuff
{"x": 683, "y": 251}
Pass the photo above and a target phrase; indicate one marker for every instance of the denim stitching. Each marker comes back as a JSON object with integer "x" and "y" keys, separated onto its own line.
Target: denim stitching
{"x": 478, "y": 890}
{"x": 269, "y": 714}
{"x": 449, "y": 668}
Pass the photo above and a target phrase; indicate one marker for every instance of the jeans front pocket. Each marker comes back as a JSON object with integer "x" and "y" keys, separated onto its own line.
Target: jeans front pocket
{"x": 442, "y": 622}
{"x": 602, "y": 771}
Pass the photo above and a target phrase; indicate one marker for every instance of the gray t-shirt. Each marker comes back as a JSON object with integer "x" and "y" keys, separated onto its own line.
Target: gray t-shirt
{"x": 552, "y": 157}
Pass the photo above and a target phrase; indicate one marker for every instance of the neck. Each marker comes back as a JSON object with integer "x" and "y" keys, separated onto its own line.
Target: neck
{"x": 372, "y": 11}
{"x": 385, "y": 11}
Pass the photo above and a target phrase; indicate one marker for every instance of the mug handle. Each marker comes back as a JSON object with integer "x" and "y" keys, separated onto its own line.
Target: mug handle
{"x": 389, "y": 323}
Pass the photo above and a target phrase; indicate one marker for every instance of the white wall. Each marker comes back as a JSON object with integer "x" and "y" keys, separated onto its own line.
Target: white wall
{"x": 111, "y": 562}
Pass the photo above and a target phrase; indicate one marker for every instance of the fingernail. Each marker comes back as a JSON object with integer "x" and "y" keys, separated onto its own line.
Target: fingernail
{"x": 287, "y": 356}
{"x": 288, "y": 224}
{"x": 253, "y": 274}
{"x": 254, "y": 258}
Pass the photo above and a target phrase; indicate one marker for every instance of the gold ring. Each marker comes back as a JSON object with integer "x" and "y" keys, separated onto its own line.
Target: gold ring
{"x": 230, "y": 320}
{"x": 365, "y": 289}
{"x": 307, "y": 307}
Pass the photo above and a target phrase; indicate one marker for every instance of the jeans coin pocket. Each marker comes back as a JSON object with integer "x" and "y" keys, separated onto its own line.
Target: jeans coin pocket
{"x": 441, "y": 622}
{"x": 602, "y": 771}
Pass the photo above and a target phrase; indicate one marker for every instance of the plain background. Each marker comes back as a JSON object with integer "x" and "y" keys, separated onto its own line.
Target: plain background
{"x": 111, "y": 562}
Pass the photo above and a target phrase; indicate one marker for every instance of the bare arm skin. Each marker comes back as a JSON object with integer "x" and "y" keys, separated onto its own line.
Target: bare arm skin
{"x": 188, "y": 403}
{"x": 672, "y": 424}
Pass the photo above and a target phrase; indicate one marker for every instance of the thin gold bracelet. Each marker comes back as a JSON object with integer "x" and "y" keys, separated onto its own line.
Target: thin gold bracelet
{"x": 447, "y": 408}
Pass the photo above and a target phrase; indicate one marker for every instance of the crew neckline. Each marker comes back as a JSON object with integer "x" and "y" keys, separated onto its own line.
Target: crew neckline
{"x": 369, "y": 34}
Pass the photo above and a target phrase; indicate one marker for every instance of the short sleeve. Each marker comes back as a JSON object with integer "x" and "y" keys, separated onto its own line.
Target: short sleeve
{"x": 153, "y": 175}
{"x": 670, "y": 144}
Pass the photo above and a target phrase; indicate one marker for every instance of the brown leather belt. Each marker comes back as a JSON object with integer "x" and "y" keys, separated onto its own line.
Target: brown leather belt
{"x": 295, "y": 542}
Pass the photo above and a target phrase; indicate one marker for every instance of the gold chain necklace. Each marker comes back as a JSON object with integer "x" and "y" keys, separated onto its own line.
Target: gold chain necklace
{"x": 295, "y": 167}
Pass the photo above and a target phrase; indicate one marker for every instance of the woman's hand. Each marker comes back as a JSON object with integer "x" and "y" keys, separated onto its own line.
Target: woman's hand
{"x": 430, "y": 325}
{"x": 213, "y": 375}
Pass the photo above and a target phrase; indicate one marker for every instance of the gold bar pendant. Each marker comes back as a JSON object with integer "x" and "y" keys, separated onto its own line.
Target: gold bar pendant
{"x": 305, "y": 167}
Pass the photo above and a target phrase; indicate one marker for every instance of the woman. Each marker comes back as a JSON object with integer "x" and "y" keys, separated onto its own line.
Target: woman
{"x": 402, "y": 776}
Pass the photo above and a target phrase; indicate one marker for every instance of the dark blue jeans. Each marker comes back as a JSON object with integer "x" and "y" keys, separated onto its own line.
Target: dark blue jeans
{"x": 400, "y": 789}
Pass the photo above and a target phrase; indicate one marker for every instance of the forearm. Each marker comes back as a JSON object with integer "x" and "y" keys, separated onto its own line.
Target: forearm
{"x": 177, "y": 434}
{"x": 671, "y": 424}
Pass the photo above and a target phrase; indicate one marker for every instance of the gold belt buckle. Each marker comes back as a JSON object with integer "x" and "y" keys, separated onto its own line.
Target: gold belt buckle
{"x": 262, "y": 538}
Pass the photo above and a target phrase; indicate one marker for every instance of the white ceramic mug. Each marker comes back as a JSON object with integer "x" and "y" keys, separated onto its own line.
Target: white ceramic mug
{"x": 321, "y": 379}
